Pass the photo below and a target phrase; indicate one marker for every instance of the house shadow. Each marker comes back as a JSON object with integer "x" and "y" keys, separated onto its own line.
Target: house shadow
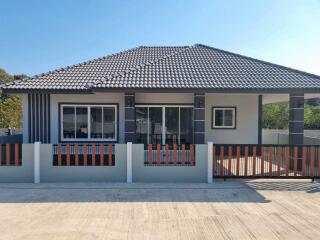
{"x": 218, "y": 192}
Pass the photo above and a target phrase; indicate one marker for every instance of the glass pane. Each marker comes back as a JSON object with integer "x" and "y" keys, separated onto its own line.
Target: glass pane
{"x": 228, "y": 116}
{"x": 218, "y": 117}
{"x": 96, "y": 122}
{"x": 172, "y": 125}
{"x": 186, "y": 125}
{"x": 81, "y": 122}
{"x": 68, "y": 122}
{"x": 155, "y": 125}
{"x": 142, "y": 125}
{"x": 109, "y": 125}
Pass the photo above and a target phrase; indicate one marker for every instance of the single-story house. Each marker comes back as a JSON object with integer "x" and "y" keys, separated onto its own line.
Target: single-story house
{"x": 161, "y": 95}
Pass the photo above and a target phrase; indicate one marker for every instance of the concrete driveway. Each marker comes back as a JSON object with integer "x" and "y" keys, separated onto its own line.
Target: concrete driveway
{"x": 235, "y": 209}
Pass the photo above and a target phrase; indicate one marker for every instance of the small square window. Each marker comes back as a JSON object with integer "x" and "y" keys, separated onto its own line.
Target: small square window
{"x": 224, "y": 117}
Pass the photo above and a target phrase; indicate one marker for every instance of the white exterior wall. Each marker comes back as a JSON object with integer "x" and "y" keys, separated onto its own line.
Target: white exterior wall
{"x": 104, "y": 98}
{"x": 246, "y": 118}
{"x": 246, "y": 122}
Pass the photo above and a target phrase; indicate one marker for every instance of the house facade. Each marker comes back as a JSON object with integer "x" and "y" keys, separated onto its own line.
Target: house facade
{"x": 161, "y": 95}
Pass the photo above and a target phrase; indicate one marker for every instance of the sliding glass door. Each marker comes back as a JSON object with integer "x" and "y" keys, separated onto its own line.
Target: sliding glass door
{"x": 164, "y": 124}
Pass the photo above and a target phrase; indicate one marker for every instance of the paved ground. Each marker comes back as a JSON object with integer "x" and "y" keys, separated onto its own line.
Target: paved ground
{"x": 259, "y": 209}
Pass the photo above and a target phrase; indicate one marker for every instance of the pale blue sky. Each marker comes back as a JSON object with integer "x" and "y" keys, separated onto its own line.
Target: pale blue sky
{"x": 37, "y": 36}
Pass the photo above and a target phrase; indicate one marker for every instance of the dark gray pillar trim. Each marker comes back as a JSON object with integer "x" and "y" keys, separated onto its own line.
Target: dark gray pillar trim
{"x": 129, "y": 117}
{"x": 260, "y": 106}
{"x": 49, "y": 122}
{"x": 296, "y": 118}
{"x": 29, "y": 118}
{"x": 199, "y": 118}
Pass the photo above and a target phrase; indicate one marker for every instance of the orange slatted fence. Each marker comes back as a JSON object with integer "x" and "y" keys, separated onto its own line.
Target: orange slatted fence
{"x": 170, "y": 155}
{"x": 150, "y": 154}
{"x": 287, "y": 160}
{"x": 158, "y": 154}
{"x": 270, "y": 160}
{"x": 238, "y": 161}
{"x": 68, "y": 155}
{"x": 76, "y": 155}
{"x": 11, "y": 154}
{"x": 279, "y": 160}
{"x": 191, "y": 155}
{"x": 59, "y": 155}
{"x": 101, "y": 150}
{"x": 83, "y": 154}
{"x": 110, "y": 154}
{"x": 167, "y": 155}
{"x": 249, "y": 160}
{"x": 183, "y": 154}
{"x": 229, "y": 160}
{"x": 175, "y": 154}
{"x": 93, "y": 154}
{"x": 254, "y": 159}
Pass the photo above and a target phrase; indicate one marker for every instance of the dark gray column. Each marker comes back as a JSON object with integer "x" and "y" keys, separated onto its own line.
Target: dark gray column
{"x": 39, "y": 117}
{"x": 296, "y": 118}
{"x": 129, "y": 118}
{"x": 260, "y": 119}
{"x": 199, "y": 118}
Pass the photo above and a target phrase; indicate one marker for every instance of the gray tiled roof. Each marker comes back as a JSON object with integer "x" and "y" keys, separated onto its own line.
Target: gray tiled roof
{"x": 194, "y": 67}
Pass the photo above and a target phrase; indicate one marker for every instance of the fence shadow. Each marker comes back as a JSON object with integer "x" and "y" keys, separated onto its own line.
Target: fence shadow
{"x": 225, "y": 192}
{"x": 308, "y": 187}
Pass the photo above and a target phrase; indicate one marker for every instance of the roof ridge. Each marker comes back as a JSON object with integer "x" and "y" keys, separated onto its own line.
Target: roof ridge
{"x": 132, "y": 69}
{"x": 261, "y": 61}
{"x": 71, "y": 66}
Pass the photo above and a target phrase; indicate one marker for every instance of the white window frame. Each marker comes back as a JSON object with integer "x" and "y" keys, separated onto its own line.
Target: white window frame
{"x": 163, "y": 127}
{"x": 233, "y": 109}
{"x": 89, "y": 106}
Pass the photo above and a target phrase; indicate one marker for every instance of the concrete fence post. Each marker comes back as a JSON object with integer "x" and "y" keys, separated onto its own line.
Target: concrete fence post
{"x": 37, "y": 162}
{"x": 129, "y": 162}
{"x": 210, "y": 157}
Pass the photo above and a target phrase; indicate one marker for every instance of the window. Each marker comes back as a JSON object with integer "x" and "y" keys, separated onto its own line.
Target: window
{"x": 88, "y": 122}
{"x": 224, "y": 117}
{"x": 158, "y": 124}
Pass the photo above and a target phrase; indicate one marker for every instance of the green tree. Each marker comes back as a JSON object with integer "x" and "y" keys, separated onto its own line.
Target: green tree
{"x": 10, "y": 106}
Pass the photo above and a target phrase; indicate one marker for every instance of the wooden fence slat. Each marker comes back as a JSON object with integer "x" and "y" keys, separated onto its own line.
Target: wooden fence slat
{"x": 183, "y": 154}
{"x": 85, "y": 156}
{"x": 287, "y": 160}
{"x": 158, "y": 154}
{"x": 8, "y": 154}
{"x": 59, "y": 155}
{"x": 279, "y": 160}
{"x": 221, "y": 160}
{"x": 167, "y": 154}
{"x": 238, "y": 161}
{"x": 110, "y": 146}
{"x": 150, "y": 154}
{"x": 175, "y": 157}
{"x": 76, "y": 155}
{"x": 229, "y": 160}
{"x": 312, "y": 157}
{"x": 262, "y": 160}
{"x": 68, "y": 154}
{"x": 191, "y": 154}
{"x": 16, "y": 154}
{"x": 295, "y": 160}
{"x": 304, "y": 156}
{"x": 318, "y": 162}
{"x": 101, "y": 151}
{"x": 270, "y": 160}
{"x": 246, "y": 153}
{"x": 93, "y": 154}
{"x": 214, "y": 160}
